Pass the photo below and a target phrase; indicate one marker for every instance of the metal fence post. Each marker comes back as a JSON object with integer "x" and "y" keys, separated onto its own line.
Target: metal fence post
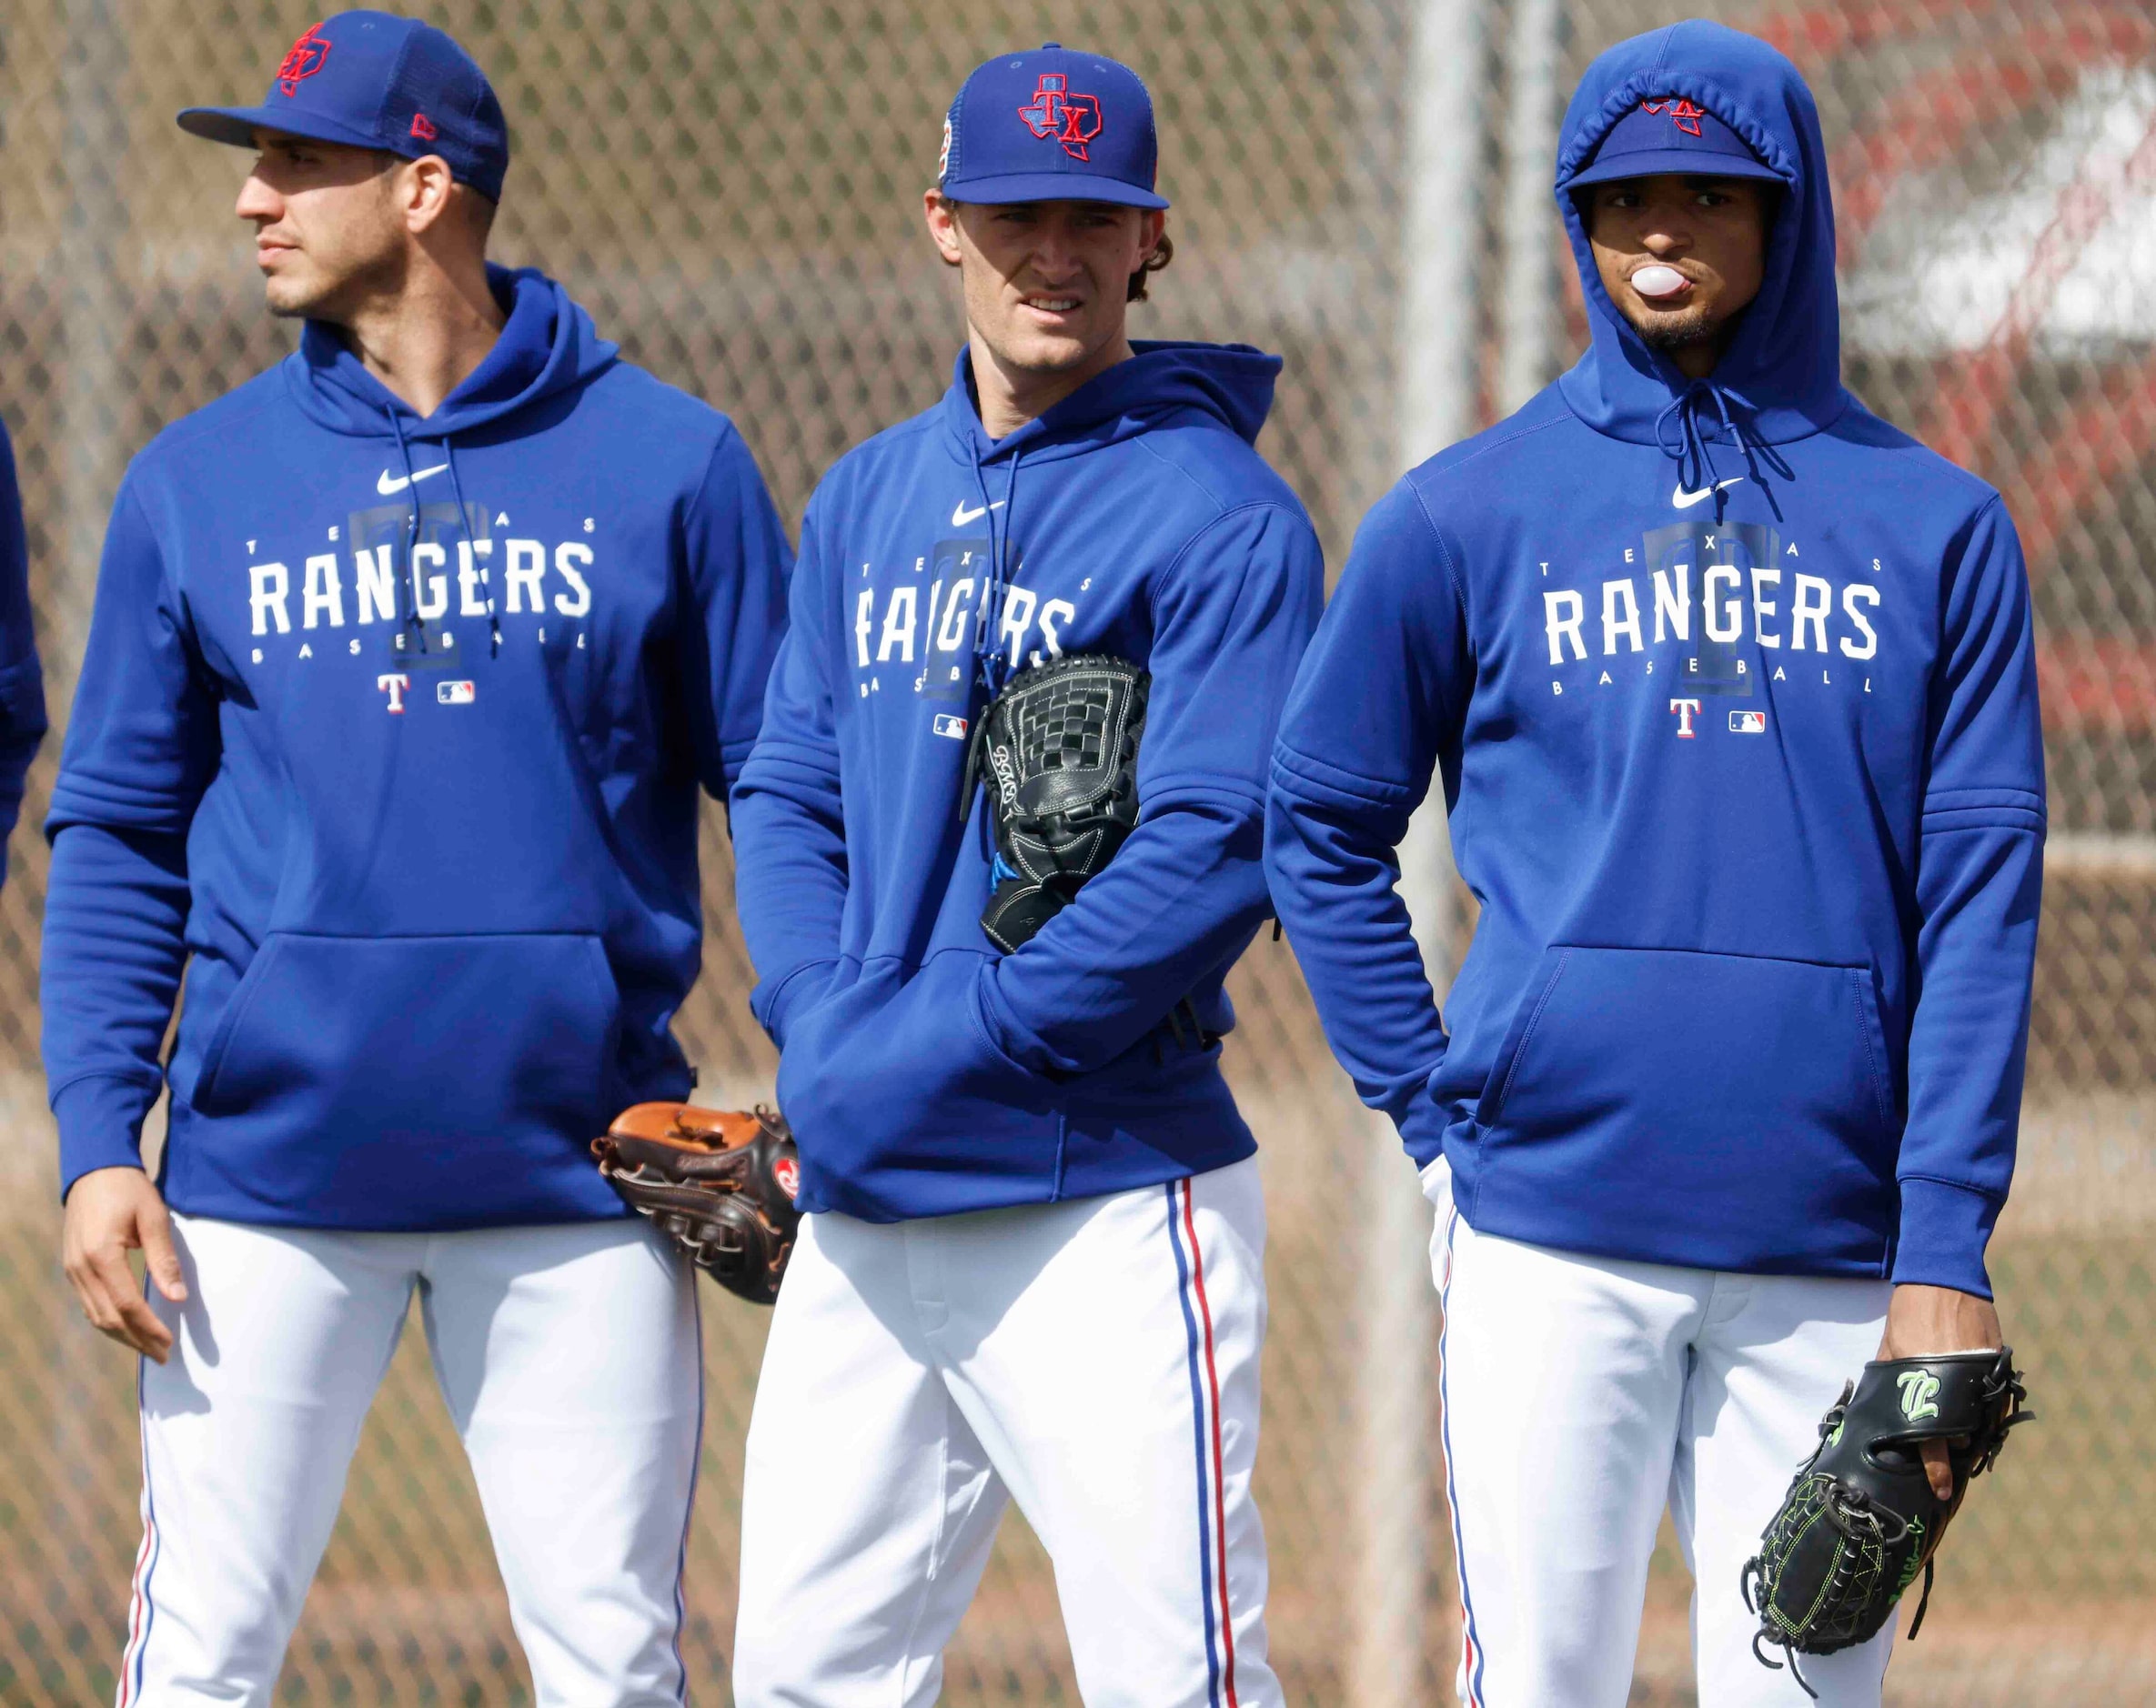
{"x": 1440, "y": 203}
{"x": 1527, "y": 237}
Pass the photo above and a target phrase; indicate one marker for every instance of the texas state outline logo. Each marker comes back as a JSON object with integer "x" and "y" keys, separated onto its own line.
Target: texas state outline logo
{"x": 302, "y": 60}
{"x": 1072, "y": 120}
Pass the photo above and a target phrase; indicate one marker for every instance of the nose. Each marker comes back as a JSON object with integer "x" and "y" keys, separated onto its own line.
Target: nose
{"x": 1055, "y": 256}
{"x": 257, "y": 202}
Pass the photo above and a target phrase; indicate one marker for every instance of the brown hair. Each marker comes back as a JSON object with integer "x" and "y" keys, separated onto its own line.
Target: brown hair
{"x": 1163, "y": 252}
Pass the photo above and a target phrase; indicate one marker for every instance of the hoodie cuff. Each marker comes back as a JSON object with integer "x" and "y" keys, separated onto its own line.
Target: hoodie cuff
{"x": 100, "y": 1122}
{"x": 1944, "y": 1230}
{"x": 796, "y": 990}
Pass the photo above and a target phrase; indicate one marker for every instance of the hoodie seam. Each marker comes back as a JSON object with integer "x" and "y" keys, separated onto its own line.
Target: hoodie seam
{"x": 1227, "y": 513}
{"x": 1984, "y": 1193}
{"x": 1219, "y": 505}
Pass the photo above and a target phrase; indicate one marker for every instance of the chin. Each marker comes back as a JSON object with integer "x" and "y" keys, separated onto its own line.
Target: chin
{"x": 1048, "y": 352}
{"x": 1679, "y": 328}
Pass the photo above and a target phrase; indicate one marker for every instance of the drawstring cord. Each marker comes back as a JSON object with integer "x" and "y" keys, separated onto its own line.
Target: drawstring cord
{"x": 409, "y": 618}
{"x": 484, "y": 560}
{"x": 1693, "y": 451}
{"x": 987, "y": 641}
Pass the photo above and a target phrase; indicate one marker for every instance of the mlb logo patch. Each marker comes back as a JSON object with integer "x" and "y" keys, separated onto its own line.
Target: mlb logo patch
{"x": 456, "y": 693}
{"x": 946, "y": 725}
{"x": 1748, "y": 723}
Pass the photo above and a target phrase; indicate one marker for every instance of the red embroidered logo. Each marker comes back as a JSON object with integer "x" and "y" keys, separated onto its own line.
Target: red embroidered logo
{"x": 302, "y": 60}
{"x": 1682, "y": 113}
{"x": 423, "y": 128}
{"x": 1072, "y": 120}
{"x": 787, "y": 1173}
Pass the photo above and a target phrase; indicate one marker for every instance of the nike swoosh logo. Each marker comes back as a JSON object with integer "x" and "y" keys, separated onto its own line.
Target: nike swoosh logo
{"x": 961, "y": 516}
{"x": 1685, "y": 500}
{"x": 389, "y": 485}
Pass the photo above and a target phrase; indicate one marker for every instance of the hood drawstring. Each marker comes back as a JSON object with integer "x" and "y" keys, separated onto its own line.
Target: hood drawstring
{"x": 1693, "y": 451}
{"x": 409, "y": 616}
{"x": 484, "y": 559}
{"x": 988, "y": 650}
{"x": 408, "y": 612}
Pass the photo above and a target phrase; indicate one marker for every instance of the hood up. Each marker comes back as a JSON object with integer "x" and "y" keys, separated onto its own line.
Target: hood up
{"x": 1780, "y": 380}
{"x": 548, "y": 345}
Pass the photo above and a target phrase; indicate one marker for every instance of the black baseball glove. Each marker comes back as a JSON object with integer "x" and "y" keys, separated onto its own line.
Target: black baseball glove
{"x": 719, "y": 1184}
{"x": 1860, "y": 1519}
{"x": 1059, "y": 748}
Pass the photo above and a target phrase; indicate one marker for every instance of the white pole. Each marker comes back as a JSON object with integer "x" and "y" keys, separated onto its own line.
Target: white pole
{"x": 1529, "y": 230}
{"x": 1394, "y": 1469}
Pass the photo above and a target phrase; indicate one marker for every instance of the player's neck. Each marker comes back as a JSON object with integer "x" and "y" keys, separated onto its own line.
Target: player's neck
{"x": 424, "y": 339}
{"x": 1008, "y": 397}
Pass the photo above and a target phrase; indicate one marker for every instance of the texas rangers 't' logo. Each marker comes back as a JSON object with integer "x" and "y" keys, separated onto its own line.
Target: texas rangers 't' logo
{"x": 1073, "y": 120}
{"x": 302, "y": 60}
{"x": 1682, "y": 113}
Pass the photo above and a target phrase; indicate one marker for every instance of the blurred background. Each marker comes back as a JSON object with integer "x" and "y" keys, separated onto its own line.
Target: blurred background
{"x": 733, "y": 187}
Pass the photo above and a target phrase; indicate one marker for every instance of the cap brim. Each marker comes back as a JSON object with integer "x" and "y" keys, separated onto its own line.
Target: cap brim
{"x": 239, "y": 125}
{"x": 1687, "y": 163}
{"x": 1050, "y": 187}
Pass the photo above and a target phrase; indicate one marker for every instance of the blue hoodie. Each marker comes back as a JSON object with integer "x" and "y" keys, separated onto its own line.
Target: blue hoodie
{"x": 395, "y": 727}
{"x": 925, "y": 1072}
{"x": 1731, "y": 689}
{"x": 21, "y": 683}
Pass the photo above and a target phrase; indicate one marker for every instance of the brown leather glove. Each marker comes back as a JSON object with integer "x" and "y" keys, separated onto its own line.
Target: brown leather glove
{"x": 719, "y": 1183}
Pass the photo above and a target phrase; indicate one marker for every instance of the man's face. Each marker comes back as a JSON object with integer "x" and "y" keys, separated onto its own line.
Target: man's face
{"x": 328, "y": 231}
{"x": 1046, "y": 283}
{"x": 1680, "y": 257}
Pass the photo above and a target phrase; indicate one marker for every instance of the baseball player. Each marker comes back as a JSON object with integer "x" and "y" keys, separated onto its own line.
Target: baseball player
{"x": 1033, "y": 1261}
{"x": 22, "y": 682}
{"x": 408, "y": 659}
{"x": 1728, "y": 686}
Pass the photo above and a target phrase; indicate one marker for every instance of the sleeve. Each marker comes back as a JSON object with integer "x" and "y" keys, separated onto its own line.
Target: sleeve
{"x": 738, "y": 564}
{"x": 1979, "y": 881}
{"x": 1187, "y": 889}
{"x": 789, "y": 824}
{"x": 141, "y": 745}
{"x": 1377, "y": 710}
{"x": 22, "y": 681}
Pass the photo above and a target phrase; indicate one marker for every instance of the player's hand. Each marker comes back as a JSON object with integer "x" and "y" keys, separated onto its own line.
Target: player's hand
{"x": 111, "y": 1213}
{"x": 1924, "y": 1321}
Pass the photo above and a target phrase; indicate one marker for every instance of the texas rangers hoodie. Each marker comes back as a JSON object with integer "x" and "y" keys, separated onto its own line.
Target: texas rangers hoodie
{"x": 924, "y": 1071}
{"x": 1731, "y": 690}
{"x": 390, "y": 730}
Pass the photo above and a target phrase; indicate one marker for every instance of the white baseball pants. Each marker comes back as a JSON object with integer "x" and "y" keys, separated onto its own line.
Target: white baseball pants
{"x": 570, "y": 1361}
{"x": 1096, "y": 1359}
{"x": 1581, "y": 1394}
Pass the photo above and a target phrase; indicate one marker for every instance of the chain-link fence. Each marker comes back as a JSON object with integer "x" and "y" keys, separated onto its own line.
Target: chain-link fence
{"x": 732, "y": 186}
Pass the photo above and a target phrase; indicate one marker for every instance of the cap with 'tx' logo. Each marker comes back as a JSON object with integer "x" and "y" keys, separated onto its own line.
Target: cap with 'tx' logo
{"x": 1053, "y": 125}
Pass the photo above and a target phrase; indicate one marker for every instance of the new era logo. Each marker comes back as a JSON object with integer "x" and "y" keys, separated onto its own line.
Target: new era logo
{"x": 1748, "y": 723}
{"x": 423, "y": 128}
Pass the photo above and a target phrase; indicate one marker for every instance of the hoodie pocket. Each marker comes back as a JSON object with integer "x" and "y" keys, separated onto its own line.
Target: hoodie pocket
{"x": 505, "y": 1041}
{"x": 1726, "y": 1111}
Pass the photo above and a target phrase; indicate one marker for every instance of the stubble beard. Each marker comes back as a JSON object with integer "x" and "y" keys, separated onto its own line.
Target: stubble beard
{"x": 1686, "y": 329}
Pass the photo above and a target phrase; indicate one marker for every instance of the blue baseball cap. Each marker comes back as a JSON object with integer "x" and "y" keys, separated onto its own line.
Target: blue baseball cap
{"x": 1054, "y": 126}
{"x": 1669, "y": 134}
{"x": 369, "y": 80}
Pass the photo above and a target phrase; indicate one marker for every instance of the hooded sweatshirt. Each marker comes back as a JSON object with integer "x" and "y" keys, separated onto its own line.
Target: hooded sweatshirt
{"x": 21, "y": 683}
{"x": 1731, "y": 689}
{"x": 394, "y": 726}
{"x": 924, "y": 1071}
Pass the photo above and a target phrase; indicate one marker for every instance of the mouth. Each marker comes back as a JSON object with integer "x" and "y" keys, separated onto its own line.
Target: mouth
{"x": 1053, "y": 309}
{"x": 1661, "y": 284}
{"x": 269, "y": 253}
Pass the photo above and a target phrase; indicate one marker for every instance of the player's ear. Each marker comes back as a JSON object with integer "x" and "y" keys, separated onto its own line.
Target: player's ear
{"x": 942, "y": 226}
